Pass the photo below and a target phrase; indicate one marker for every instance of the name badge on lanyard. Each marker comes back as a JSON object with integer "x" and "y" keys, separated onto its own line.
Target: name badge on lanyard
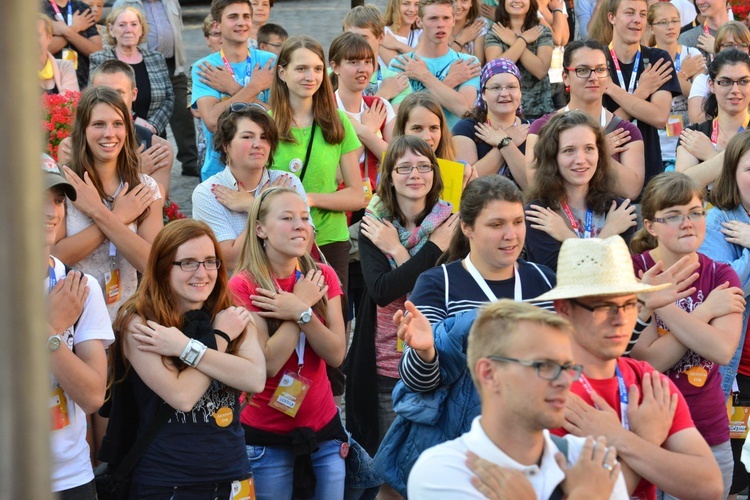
{"x": 517, "y": 292}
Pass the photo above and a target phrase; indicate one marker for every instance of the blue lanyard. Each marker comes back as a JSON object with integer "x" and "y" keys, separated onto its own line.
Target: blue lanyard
{"x": 616, "y": 62}
{"x": 248, "y": 68}
{"x": 52, "y": 278}
{"x": 623, "y": 398}
{"x": 589, "y": 223}
{"x": 677, "y": 64}
{"x": 622, "y": 389}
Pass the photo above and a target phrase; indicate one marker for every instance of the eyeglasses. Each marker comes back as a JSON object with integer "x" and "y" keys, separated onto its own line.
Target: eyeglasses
{"x": 730, "y": 45}
{"x": 545, "y": 370}
{"x": 239, "y": 107}
{"x": 496, "y": 89}
{"x": 677, "y": 220}
{"x": 727, "y": 82}
{"x": 610, "y": 310}
{"x": 190, "y": 266}
{"x": 584, "y": 72}
{"x": 408, "y": 169}
{"x": 214, "y": 34}
{"x": 665, "y": 23}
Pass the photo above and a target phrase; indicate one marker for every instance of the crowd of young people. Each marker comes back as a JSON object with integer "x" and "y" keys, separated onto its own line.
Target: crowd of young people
{"x": 323, "y": 259}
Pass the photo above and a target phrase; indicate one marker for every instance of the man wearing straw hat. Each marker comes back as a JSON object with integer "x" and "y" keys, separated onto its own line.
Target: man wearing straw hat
{"x": 639, "y": 412}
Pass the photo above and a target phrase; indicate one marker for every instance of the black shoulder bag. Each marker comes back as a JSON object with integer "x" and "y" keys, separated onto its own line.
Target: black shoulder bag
{"x": 309, "y": 150}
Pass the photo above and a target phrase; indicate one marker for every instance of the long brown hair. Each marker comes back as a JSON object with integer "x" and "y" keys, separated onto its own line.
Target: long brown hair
{"x": 669, "y": 189}
{"x": 254, "y": 260}
{"x": 387, "y": 193}
{"x": 445, "y": 149}
{"x": 82, "y": 160}
{"x": 548, "y": 186}
{"x": 325, "y": 111}
{"x": 726, "y": 193}
{"x": 155, "y": 299}
{"x": 531, "y": 19}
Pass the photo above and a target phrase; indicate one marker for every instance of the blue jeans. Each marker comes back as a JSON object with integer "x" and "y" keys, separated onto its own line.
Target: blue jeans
{"x": 272, "y": 469}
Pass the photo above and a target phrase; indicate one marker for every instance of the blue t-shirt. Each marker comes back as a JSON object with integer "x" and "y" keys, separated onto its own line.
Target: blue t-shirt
{"x": 242, "y": 73}
{"x": 438, "y": 66}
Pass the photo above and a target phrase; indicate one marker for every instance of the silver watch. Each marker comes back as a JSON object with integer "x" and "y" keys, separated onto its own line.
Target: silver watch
{"x": 305, "y": 317}
{"x": 54, "y": 343}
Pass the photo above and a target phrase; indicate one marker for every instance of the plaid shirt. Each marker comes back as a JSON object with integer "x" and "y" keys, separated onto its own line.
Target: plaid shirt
{"x": 162, "y": 94}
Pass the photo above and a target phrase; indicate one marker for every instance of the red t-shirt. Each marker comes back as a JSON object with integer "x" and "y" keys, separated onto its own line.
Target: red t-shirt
{"x": 632, "y": 372}
{"x": 318, "y": 407}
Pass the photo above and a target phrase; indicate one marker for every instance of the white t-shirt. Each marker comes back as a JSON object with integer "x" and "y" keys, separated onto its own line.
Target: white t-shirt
{"x": 105, "y": 257}
{"x": 679, "y": 107}
{"x": 700, "y": 86}
{"x": 410, "y": 40}
{"x": 70, "y": 460}
{"x": 390, "y": 114}
{"x": 441, "y": 471}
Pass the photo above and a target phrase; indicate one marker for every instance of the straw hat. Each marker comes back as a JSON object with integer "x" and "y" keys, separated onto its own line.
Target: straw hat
{"x": 593, "y": 266}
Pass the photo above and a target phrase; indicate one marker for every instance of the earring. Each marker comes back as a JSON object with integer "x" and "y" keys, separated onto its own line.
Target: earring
{"x": 264, "y": 243}
{"x": 567, "y": 88}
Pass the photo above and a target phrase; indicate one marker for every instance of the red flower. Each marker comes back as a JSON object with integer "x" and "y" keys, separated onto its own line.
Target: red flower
{"x": 57, "y": 120}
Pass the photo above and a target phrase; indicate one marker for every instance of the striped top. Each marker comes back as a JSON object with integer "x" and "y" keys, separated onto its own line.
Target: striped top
{"x": 448, "y": 290}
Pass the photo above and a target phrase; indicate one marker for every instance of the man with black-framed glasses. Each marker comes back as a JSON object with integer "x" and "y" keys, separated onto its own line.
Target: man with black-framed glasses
{"x": 640, "y": 412}
{"x": 521, "y": 362}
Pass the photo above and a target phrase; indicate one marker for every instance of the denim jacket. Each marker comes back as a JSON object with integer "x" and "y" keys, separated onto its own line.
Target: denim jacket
{"x": 716, "y": 247}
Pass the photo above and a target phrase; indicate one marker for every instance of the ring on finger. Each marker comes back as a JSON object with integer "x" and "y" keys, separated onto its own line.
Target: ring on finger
{"x": 608, "y": 467}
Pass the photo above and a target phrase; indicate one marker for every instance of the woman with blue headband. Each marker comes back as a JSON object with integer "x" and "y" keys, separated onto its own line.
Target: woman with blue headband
{"x": 493, "y": 136}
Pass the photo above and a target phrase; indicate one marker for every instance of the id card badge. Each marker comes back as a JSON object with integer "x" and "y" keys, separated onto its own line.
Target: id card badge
{"x": 112, "y": 289}
{"x": 399, "y": 344}
{"x": 674, "y": 125}
{"x": 70, "y": 55}
{"x": 367, "y": 189}
{"x": 290, "y": 393}
{"x": 243, "y": 490}
{"x": 58, "y": 407}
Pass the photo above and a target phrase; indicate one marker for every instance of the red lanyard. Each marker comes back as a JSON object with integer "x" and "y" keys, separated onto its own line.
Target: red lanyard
{"x": 616, "y": 62}
{"x": 574, "y": 223}
{"x": 248, "y": 68}
{"x": 715, "y": 129}
{"x": 59, "y": 15}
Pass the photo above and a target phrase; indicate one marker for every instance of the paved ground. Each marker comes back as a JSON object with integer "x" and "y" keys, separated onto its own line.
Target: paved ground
{"x": 320, "y": 19}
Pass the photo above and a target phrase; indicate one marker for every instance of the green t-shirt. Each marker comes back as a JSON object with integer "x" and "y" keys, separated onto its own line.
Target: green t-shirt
{"x": 321, "y": 174}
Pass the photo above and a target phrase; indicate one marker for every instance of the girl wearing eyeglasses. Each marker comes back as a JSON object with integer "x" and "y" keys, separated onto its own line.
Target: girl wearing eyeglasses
{"x": 571, "y": 194}
{"x": 731, "y": 35}
{"x": 246, "y": 139}
{"x": 296, "y": 441}
{"x": 727, "y": 231}
{"x": 727, "y": 109}
{"x": 664, "y": 23}
{"x": 109, "y": 229}
{"x": 689, "y": 340}
{"x": 187, "y": 354}
{"x": 318, "y": 144}
{"x": 405, "y": 229}
{"x": 518, "y": 35}
{"x": 493, "y": 137}
{"x": 586, "y": 76}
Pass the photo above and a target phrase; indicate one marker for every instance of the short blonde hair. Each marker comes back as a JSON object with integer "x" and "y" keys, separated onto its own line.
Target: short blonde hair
{"x": 46, "y": 21}
{"x": 496, "y": 325}
{"x": 112, "y": 17}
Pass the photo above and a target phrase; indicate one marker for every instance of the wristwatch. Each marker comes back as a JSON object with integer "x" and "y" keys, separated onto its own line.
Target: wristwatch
{"x": 54, "y": 343}
{"x": 305, "y": 317}
{"x": 504, "y": 142}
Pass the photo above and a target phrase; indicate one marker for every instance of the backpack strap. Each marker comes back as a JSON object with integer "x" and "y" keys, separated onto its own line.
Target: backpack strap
{"x": 130, "y": 460}
{"x": 612, "y": 125}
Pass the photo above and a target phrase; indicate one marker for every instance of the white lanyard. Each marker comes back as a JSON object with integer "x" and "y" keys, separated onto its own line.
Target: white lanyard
{"x": 517, "y": 294}
{"x": 602, "y": 120}
{"x": 300, "y": 350}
